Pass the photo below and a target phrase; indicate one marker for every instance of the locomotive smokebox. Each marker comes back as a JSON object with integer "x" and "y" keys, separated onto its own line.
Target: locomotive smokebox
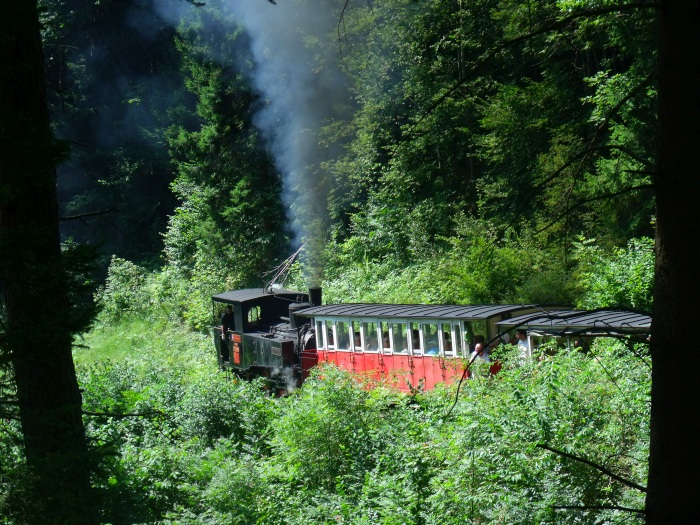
{"x": 316, "y": 295}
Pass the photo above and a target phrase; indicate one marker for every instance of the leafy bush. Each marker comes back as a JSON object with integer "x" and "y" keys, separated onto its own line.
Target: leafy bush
{"x": 124, "y": 291}
{"x": 168, "y": 296}
{"x": 623, "y": 278}
{"x": 472, "y": 266}
{"x": 212, "y": 450}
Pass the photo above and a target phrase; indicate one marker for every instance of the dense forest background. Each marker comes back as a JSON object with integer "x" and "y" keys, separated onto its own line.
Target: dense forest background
{"x": 441, "y": 152}
{"x": 424, "y": 151}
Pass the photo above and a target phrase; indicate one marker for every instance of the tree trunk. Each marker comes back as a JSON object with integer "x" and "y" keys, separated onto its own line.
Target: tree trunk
{"x": 674, "y": 465}
{"x": 37, "y": 334}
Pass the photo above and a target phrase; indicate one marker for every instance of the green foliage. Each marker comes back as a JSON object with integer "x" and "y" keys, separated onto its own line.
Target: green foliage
{"x": 124, "y": 290}
{"x": 622, "y": 278}
{"x": 186, "y": 420}
{"x": 323, "y": 433}
{"x": 471, "y": 267}
{"x": 228, "y": 225}
{"x": 168, "y": 296}
{"x": 206, "y": 449}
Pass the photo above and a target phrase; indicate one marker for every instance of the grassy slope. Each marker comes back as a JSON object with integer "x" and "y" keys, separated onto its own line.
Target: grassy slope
{"x": 143, "y": 342}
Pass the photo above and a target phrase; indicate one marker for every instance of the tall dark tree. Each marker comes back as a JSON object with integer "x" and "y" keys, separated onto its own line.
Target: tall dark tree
{"x": 674, "y": 464}
{"x": 112, "y": 72}
{"x": 38, "y": 329}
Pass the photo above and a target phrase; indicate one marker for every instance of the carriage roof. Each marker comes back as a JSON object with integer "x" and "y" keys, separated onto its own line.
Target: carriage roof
{"x": 414, "y": 311}
{"x": 602, "y": 321}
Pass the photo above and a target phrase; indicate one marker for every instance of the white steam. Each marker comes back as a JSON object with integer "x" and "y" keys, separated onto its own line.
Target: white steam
{"x": 296, "y": 57}
{"x": 297, "y": 76}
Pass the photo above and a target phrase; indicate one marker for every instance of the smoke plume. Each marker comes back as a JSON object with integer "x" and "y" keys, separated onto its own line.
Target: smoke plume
{"x": 297, "y": 75}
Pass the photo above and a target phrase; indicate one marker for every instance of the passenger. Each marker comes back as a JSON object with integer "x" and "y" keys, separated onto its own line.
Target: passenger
{"x": 578, "y": 344}
{"x": 227, "y": 326}
{"x": 480, "y": 351}
{"x": 372, "y": 344}
{"x": 433, "y": 347}
{"x": 227, "y": 321}
{"x": 523, "y": 344}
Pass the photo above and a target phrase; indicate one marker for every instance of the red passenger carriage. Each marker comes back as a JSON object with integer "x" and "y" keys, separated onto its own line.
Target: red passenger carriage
{"x": 408, "y": 346}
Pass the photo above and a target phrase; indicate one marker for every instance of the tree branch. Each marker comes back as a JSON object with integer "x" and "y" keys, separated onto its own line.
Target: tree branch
{"x": 465, "y": 373}
{"x": 125, "y": 415}
{"x": 592, "y": 199}
{"x": 551, "y": 26}
{"x": 598, "y": 507}
{"x": 81, "y": 216}
{"x": 600, "y": 468}
{"x": 103, "y": 214}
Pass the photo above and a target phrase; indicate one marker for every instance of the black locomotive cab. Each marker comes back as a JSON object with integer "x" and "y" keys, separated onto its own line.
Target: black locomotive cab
{"x": 265, "y": 338}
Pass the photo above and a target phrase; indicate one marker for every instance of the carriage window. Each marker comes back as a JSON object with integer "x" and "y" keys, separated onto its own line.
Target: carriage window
{"x": 446, "y": 333}
{"x": 357, "y": 336}
{"x": 386, "y": 340}
{"x": 399, "y": 337}
{"x": 328, "y": 333}
{"x": 454, "y": 345}
{"x": 342, "y": 335}
{"x": 416, "y": 345}
{"x": 320, "y": 336}
{"x": 467, "y": 338}
{"x": 370, "y": 331}
{"x": 431, "y": 336}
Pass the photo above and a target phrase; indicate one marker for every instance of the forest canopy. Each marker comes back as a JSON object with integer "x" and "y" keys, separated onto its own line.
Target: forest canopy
{"x": 432, "y": 151}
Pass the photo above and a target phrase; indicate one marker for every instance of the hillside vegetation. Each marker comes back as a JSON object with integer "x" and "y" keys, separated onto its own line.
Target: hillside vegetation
{"x": 202, "y": 448}
{"x": 441, "y": 151}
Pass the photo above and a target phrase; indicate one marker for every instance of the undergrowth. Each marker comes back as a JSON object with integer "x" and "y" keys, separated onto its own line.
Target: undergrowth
{"x": 201, "y": 447}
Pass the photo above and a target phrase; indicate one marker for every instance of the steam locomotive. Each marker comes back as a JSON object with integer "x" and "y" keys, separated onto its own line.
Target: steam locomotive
{"x": 281, "y": 334}
{"x": 268, "y": 337}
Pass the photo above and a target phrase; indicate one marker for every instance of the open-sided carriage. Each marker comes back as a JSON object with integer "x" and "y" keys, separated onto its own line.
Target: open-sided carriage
{"x": 409, "y": 346}
{"x": 577, "y": 328}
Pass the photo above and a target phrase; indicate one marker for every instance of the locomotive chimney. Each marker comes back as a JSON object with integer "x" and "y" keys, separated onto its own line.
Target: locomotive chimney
{"x": 316, "y": 295}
